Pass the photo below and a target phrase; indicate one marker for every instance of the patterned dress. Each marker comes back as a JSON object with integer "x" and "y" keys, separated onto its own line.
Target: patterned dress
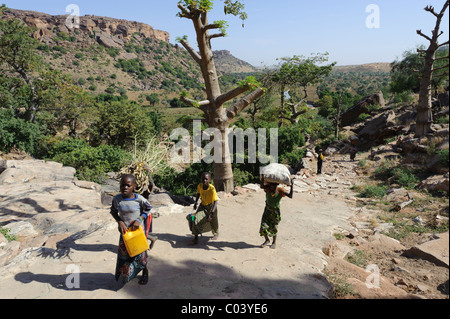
{"x": 129, "y": 210}
{"x": 271, "y": 216}
{"x": 198, "y": 222}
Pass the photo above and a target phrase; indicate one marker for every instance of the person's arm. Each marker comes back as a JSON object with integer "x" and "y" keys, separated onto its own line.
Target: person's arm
{"x": 291, "y": 193}
{"x": 213, "y": 211}
{"x": 145, "y": 211}
{"x": 196, "y": 201}
{"x": 115, "y": 214}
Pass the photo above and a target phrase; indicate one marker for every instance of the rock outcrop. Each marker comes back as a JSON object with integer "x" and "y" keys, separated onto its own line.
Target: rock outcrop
{"x": 351, "y": 115}
{"x": 104, "y": 28}
{"x": 227, "y": 63}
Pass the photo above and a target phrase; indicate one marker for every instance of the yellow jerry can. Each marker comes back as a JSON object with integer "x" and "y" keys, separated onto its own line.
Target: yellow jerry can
{"x": 135, "y": 241}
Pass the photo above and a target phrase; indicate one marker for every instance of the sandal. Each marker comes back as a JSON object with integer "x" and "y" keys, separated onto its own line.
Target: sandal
{"x": 144, "y": 278}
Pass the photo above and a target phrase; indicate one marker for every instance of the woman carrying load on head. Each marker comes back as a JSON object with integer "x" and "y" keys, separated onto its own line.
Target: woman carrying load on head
{"x": 272, "y": 215}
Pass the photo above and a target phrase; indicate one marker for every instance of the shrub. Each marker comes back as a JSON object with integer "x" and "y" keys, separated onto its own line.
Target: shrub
{"x": 443, "y": 158}
{"x": 362, "y": 117}
{"x": 404, "y": 177}
{"x": 369, "y": 191}
{"x": 293, "y": 158}
{"x": 15, "y": 132}
{"x": 120, "y": 123}
{"x": 90, "y": 162}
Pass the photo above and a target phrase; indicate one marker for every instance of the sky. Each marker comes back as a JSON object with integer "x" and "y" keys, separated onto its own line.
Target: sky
{"x": 351, "y": 31}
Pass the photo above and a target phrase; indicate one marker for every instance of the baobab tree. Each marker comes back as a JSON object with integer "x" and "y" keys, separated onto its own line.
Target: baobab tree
{"x": 216, "y": 115}
{"x": 424, "y": 114}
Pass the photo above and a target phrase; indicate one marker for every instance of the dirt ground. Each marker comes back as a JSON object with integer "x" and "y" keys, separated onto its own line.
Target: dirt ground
{"x": 316, "y": 237}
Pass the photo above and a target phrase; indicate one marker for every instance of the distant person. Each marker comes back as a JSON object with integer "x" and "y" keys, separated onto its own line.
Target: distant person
{"x": 130, "y": 210}
{"x": 272, "y": 215}
{"x": 205, "y": 218}
{"x": 353, "y": 151}
{"x": 319, "y": 162}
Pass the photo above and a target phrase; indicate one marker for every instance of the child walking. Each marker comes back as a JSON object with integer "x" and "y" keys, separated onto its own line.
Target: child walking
{"x": 319, "y": 162}
{"x": 130, "y": 210}
{"x": 205, "y": 219}
{"x": 272, "y": 215}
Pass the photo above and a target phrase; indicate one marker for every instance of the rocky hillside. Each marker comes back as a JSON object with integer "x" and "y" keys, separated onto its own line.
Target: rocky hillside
{"x": 227, "y": 63}
{"x": 119, "y": 56}
{"x": 368, "y": 67}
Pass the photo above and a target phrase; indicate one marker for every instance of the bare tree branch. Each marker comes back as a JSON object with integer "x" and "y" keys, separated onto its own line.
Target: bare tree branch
{"x": 431, "y": 10}
{"x": 211, "y": 26}
{"x": 232, "y": 94}
{"x": 442, "y": 44}
{"x": 442, "y": 67}
{"x": 201, "y": 104}
{"x": 191, "y": 51}
{"x": 217, "y": 35}
{"x": 441, "y": 58}
{"x": 185, "y": 13}
{"x": 419, "y": 32}
{"x": 237, "y": 107}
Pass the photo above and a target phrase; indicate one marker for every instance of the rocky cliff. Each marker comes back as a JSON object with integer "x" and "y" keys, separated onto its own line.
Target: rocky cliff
{"x": 227, "y": 63}
{"x": 120, "y": 31}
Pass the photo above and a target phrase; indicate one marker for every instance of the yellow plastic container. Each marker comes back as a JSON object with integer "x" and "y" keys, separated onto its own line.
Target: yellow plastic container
{"x": 135, "y": 241}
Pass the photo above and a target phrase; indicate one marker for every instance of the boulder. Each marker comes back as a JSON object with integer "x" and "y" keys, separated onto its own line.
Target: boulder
{"x": 108, "y": 40}
{"x": 21, "y": 229}
{"x": 436, "y": 183}
{"x": 435, "y": 251}
{"x": 160, "y": 199}
{"x": 375, "y": 128}
{"x": 352, "y": 114}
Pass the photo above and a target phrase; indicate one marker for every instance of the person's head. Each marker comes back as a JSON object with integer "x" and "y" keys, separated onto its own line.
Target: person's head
{"x": 273, "y": 187}
{"x": 206, "y": 179}
{"x": 127, "y": 185}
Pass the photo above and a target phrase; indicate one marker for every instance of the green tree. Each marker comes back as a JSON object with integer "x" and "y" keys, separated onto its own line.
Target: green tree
{"x": 153, "y": 98}
{"x": 120, "y": 123}
{"x": 18, "y": 63}
{"x": 294, "y": 76}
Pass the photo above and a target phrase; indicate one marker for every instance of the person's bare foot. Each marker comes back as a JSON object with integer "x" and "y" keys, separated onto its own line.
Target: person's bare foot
{"x": 273, "y": 246}
{"x": 144, "y": 278}
{"x": 267, "y": 242}
{"x": 153, "y": 239}
{"x": 194, "y": 241}
{"x": 215, "y": 237}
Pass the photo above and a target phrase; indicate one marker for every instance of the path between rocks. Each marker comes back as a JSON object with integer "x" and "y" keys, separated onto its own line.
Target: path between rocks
{"x": 232, "y": 267}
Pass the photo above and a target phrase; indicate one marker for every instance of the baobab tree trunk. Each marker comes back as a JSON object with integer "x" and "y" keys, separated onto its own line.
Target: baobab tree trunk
{"x": 424, "y": 113}
{"x": 215, "y": 114}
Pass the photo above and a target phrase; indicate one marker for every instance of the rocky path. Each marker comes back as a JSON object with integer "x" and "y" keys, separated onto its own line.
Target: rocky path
{"x": 63, "y": 229}
{"x": 67, "y": 241}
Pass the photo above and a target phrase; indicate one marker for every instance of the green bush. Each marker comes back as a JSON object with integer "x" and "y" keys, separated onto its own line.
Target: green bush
{"x": 369, "y": 191}
{"x": 120, "y": 123}
{"x": 362, "y": 117}
{"x": 90, "y": 162}
{"x": 184, "y": 183}
{"x": 443, "y": 158}
{"x": 15, "y": 132}
{"x": 293, "y": 158}
{"x": 404, "y": 177}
